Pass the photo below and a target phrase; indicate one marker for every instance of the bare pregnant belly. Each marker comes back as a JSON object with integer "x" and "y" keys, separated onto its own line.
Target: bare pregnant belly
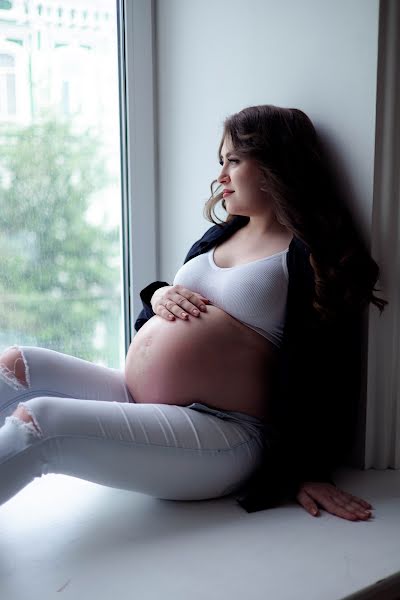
{"x": 213, "y": 359}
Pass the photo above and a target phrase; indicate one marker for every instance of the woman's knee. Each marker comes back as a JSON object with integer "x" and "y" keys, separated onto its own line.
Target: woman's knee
{"x": 26, "y": 415}
{"x": 13, "y": 367}
{"x": 46, "y": 413}
{"x": 40, "y": 413}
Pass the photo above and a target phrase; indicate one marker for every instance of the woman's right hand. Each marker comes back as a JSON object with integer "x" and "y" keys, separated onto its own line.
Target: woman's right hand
{"x": 172, "y": 301}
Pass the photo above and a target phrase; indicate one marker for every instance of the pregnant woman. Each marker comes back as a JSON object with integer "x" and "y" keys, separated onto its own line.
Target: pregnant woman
{"x": 243, "y": 375}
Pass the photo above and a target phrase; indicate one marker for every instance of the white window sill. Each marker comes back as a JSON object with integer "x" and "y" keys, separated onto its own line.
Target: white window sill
{"x": 89, "y": 541}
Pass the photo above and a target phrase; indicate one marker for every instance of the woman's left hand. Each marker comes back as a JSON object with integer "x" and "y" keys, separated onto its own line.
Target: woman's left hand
{"x": 333, "y": 500}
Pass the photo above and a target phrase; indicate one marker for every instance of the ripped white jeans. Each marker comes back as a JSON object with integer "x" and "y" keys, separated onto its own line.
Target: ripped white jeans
{"x": 86, "y": 424}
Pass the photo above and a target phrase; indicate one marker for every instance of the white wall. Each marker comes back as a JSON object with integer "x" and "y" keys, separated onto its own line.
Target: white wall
{"x": 215, "y": 57}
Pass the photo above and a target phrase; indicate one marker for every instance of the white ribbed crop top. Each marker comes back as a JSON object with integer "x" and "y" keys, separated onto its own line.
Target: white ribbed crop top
{"x": 254, "y": 293}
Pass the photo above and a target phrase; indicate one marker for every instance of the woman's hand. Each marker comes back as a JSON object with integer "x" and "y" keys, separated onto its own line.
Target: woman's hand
{"x": 333, "y": 500}
{"x": 173, "y": 301}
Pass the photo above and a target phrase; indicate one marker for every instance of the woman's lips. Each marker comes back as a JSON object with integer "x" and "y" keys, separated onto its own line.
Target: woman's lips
{"x": 226, "y": 193}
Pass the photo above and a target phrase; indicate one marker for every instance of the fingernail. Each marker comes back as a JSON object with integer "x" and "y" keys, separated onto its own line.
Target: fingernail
{"x": 203, "y": 308}
{"x": 195, "y": 311}
{"x": 314, "y": 511}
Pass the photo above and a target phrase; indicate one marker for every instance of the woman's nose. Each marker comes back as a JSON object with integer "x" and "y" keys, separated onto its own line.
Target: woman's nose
{"x": 223, "y": 176}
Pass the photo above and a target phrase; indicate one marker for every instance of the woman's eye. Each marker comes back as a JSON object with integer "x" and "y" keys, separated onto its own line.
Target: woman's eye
{"x": 231, "y": 160}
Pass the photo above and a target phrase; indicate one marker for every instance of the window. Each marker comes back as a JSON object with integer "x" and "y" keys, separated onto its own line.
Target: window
{"x": 60, "y": 183}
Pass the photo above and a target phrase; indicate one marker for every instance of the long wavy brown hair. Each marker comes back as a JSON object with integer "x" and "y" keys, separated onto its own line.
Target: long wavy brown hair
{"x": 306, "y": 200}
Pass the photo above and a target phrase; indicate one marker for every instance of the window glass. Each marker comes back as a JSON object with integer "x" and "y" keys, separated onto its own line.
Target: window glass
{"x": 60, "y": 197}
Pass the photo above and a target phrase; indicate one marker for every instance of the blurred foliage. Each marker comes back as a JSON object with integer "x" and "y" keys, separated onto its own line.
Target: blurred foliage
{"x": 59, "y": 273}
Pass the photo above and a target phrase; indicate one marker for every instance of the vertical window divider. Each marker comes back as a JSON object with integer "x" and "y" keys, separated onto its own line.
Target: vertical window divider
{"x": 138, "y": 153}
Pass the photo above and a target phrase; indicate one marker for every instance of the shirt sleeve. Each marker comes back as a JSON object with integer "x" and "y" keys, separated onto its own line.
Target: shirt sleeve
{"x": 321, "y": 400}
{"x": 315, "y": 417}
{"x": 145, "y": 295}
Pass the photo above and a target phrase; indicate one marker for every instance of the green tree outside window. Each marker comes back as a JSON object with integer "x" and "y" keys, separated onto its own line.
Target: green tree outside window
{"x": 59, "y": 273}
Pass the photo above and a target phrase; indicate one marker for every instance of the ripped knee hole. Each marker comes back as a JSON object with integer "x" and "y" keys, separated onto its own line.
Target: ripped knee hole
{"x": 23, "y": 414}
{"x": 13, "y": 367}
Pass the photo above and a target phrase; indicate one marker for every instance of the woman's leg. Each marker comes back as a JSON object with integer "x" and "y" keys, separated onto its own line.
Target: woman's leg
{"x": 27, "y": 372}
{"x": 162, "y": 450}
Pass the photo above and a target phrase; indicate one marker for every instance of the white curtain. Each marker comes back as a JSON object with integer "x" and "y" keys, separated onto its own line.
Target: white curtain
{"x": 382, "y": 446}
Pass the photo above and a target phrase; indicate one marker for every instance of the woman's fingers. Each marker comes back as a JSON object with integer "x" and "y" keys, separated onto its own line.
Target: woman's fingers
{"x": 189, "y": 304}
{"x": 180, "y": 303}
{"x": 344, "y": 499}
{"x": 333, "y": 500}
{"x": 349, "y": 506}
{"x": 307, "y": 502}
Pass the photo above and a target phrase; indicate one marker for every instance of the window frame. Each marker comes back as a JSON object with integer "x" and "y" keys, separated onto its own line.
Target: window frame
{"x": 138, "y": 153}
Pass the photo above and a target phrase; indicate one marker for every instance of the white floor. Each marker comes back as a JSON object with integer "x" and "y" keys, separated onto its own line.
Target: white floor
{"x": 65, "y": 538}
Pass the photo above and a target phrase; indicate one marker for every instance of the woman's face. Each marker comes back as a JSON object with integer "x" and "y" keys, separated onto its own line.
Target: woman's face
{"x": 242, "y": 180}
